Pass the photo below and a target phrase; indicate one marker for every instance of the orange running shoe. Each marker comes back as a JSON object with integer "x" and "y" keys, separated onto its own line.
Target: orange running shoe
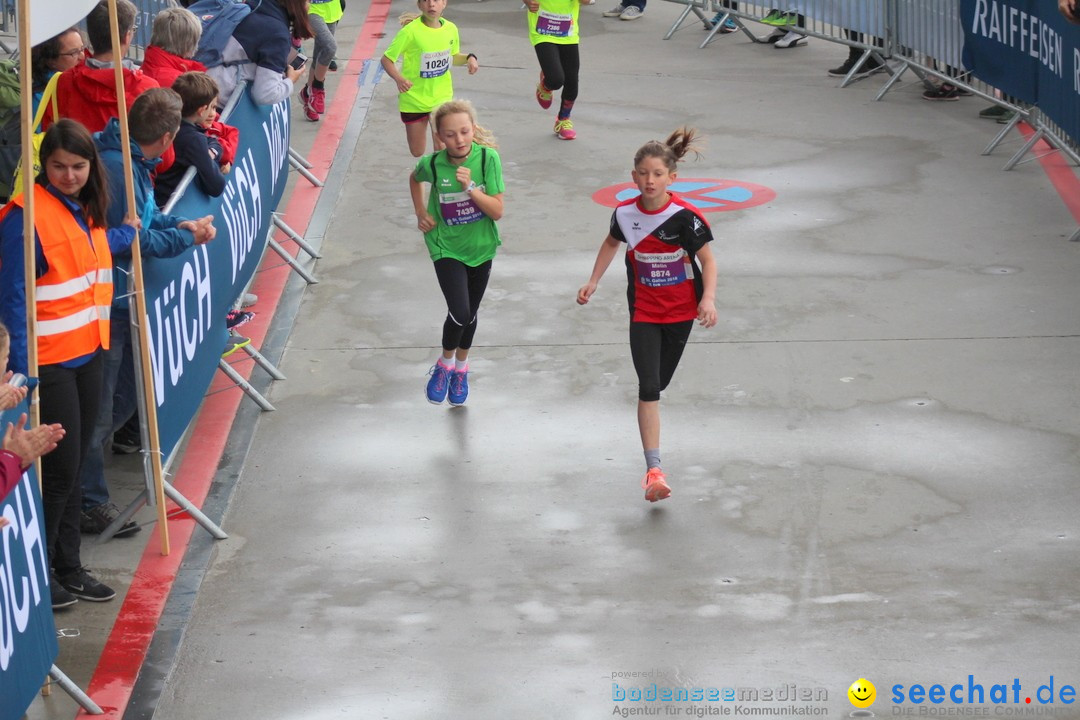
{"x": 655, "y": 484}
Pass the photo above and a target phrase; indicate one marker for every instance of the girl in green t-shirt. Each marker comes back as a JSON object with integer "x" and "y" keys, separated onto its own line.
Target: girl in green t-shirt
{"x": 458, "y": 222}
{"x": 429, "y": 44}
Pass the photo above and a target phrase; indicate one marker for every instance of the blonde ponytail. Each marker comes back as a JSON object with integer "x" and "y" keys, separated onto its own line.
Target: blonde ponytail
{"x": 481, "y": 135}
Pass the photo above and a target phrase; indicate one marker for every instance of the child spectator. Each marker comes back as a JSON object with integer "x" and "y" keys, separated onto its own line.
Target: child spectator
{"x": 193, "y": 146}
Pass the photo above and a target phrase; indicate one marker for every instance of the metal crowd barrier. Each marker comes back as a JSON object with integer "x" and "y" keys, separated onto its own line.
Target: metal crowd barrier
{"x": 855, "y": 23}
{"x": 923, "y": 36}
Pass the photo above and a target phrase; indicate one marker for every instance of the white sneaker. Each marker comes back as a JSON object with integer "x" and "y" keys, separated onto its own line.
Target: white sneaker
{"x": 616, "y": 11}
{"x": 248, "y": 300}
{"x": 790, "y": 40}
{"x": 632, "y": 12}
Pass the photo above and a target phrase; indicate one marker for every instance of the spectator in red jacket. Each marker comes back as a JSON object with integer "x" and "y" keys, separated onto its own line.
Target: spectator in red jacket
{"x": 173, "y": 43}
{"x": 87, "y": 92}
{"x": 172, "y": 46}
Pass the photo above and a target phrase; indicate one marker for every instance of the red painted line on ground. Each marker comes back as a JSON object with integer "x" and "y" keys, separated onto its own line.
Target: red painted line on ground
{"x": 127, "y": 644}
{"x": 1061, "y": 174}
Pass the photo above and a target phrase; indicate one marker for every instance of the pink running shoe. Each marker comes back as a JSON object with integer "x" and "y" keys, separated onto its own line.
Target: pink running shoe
{"x": 655, "y": 484}
{"x": 543, "y": 95}
{"x": 309, "y": 111}
{"x": 318, "y": 100}
{"x": 565, "y": 129}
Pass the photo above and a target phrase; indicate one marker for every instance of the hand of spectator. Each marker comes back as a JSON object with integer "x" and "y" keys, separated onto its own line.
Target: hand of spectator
{"x": 424, "y": 221}
{"x": 203, "y": 229}
{"x": 10, "y": 396}
{"x": 226, "y": 168}
{"x": 1070, "y": 9}
{"x": 293, "y": 74}
{"x": 3, "y": 523}
{"x": 133, "y": 221}
{"x": 533, "y": 5}
{"x": 29, "y": 445}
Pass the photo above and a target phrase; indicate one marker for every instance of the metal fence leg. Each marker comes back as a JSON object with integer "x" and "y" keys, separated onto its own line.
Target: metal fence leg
{"x": 1024, "y": 150}
{"x": 74, "y": 691}
{"x": 680, "y": 19}
{"x": 195, "y": 513}
{"x": 302, "y": 165}
{"x": 715, "y": 29}
{"x": 291, "y": 261}
{"x": 300, "y": 159}
{"x": 294, "y": 236}
{"x": 1075, "y": 236}
{"x": 262, "y": 362}
{"x": 896, "y": 75}
{"x": 1001, "y": 135}
{"x": 244, "y": 385}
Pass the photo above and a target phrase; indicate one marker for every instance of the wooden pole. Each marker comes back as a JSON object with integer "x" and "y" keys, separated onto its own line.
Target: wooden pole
{"x": 149, "y": 409}
{"x": 26, "y": 82}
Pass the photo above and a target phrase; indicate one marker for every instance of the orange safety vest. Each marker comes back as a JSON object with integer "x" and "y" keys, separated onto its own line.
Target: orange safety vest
{"x": 74, "y": 296}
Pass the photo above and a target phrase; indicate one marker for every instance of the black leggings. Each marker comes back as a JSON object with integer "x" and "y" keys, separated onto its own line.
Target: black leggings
{"x": 71, "y": 397}
{"x": 463, "y": 287}
{"x": 656, "y": 349}
{"x": 560, "y": 65}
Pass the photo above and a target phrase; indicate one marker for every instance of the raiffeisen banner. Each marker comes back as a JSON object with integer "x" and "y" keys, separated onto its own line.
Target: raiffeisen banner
{"x": 187, "y": 297}
{"x": 1026, "y": 49}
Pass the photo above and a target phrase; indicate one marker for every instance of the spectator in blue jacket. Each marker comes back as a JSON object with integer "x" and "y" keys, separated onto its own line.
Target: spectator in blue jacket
{"x": 259, "y": 51}
{"x": 154, "y": 119}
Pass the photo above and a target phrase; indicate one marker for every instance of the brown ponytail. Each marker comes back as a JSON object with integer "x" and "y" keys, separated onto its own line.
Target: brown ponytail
{"x": 672, "y": 150}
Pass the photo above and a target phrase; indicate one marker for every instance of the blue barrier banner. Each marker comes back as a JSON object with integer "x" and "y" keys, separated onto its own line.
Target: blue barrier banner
{"x": 1026, "y": 49}
{"x": 188, "y": 296}
{"x": 27, "y": 634}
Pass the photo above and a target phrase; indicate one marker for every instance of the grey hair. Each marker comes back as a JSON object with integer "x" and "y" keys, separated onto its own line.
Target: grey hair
{"x": 177, "y": 31}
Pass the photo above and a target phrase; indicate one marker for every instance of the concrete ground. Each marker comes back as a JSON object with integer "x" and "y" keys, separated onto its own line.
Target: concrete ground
{"x": 873, "y": 455}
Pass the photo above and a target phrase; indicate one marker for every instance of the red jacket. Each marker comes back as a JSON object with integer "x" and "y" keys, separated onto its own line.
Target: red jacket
{"x": 88, "y": 95}
{"x": 10, "y": 472}
{"x": 165, "y": 67}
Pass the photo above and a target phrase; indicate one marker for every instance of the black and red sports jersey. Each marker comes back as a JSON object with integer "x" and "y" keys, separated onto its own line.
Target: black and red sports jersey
{"x": 664, "y": 282}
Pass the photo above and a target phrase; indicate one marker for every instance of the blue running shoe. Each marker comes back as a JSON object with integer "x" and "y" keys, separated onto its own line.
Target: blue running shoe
{"x": 459, "y": 387}
{"x": 438, "y": 384}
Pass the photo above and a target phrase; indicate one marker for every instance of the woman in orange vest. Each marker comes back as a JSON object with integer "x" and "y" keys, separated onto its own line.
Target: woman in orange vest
{"x": 74, "y": 295}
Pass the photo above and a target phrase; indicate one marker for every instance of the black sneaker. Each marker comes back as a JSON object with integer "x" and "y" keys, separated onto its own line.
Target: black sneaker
{"x": 846, "y": 66}
{"x": 85, "y": 586}
{"x": 332, "y": 67}
{"x": 125, "y": 443}
{"x": 96, "y": 519}
{"x": 946, "y": 92}
{"x": 61, "y": 598}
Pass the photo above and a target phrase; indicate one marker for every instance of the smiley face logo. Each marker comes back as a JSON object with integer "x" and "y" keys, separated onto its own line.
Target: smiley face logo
{"x": 862, "y": 693}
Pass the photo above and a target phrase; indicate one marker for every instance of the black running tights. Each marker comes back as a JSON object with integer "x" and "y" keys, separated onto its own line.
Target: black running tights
{"x": 656, "y": 349}
{"x": 560, "y": 65}
{"x": 463, "y": 287}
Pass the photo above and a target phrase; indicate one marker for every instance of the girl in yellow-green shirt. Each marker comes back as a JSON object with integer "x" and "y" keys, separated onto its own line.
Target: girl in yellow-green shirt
{"x": 428, "y": 44}
{"x": 553, "y": 31}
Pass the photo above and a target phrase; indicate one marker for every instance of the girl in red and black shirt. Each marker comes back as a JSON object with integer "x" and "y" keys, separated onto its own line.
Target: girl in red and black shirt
{"x": 671, "y": 277}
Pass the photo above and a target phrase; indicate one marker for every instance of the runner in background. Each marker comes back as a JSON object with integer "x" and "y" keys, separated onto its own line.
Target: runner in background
{"x": 554, "y": 33}
{"x": 429, "y": 43}
{"x": 665, "y": 240}
{"x": 458, "y": 222}
{"x": 323, "y": 17}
